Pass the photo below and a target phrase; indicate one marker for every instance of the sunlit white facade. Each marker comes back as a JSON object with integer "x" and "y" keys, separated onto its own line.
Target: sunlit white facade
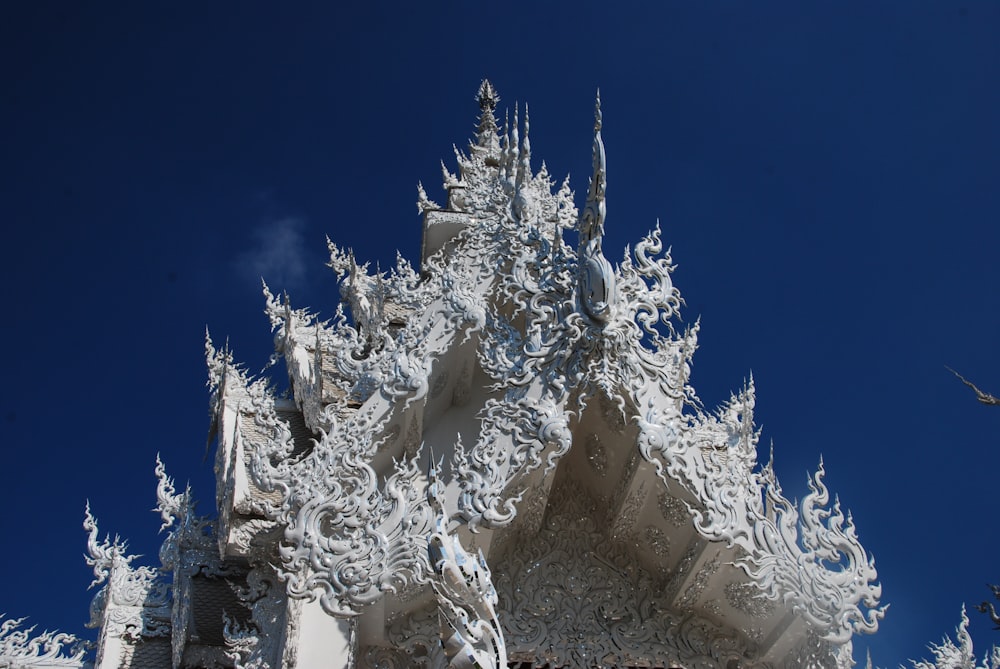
{"x": 493, "y": 458}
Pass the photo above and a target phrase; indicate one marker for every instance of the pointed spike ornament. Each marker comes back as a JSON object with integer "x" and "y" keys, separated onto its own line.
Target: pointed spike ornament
{"x": 596, "y": 276}
{"x": 487, "y": 96}
{"x": 514, "y": 147}
{"x": 524, "y": 165}
{"x": 424, "y": 203}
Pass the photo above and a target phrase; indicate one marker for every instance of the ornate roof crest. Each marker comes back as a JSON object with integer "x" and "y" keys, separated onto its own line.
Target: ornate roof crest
{"x": 598, "y": 294}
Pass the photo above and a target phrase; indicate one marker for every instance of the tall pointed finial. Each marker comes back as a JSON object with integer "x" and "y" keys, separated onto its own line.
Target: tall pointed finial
{"x": 487, "y": 96}
{"x": 597, "y": 284}
{"x": 515, "y": 138}
{"x": 592, "y": 218}
{"x": 524, "y": 165}
{"x": 598, "y": 117}
{"x": 487, "y": 134}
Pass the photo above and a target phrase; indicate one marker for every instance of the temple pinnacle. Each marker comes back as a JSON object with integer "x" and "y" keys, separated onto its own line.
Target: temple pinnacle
{"x": 487, "y": 96}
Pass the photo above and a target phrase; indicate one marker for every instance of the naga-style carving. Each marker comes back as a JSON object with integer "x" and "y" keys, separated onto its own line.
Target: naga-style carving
{"x": 470, "y": 631}
{"x": 809, "y": 556}
{"x": 648, "y": 570}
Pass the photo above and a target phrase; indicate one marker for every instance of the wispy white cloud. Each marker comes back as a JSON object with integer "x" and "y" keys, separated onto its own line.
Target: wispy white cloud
{"x": 278, "y": 254}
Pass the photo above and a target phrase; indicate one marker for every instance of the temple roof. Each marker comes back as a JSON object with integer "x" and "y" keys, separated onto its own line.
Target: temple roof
{"x": 565, "y": 377}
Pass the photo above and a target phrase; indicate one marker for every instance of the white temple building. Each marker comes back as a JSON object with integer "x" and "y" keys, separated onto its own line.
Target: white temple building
{"x": 493, "y": 459}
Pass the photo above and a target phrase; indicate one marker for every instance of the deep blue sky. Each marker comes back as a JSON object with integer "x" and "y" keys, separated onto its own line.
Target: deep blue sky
{"x": 826, "y": 173}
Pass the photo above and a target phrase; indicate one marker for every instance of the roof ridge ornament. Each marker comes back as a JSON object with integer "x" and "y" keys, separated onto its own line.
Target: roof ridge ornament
{"x": 487, "y": 96}
{"x": 487, "y": 133}
{"x": 596, "y": 276}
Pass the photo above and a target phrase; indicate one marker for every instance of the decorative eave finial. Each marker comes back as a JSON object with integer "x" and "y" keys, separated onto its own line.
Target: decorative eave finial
{"x": 598, "y": 293}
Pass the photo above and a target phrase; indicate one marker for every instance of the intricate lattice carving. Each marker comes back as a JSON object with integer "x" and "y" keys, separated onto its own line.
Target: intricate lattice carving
{"x": 570, "y": 597}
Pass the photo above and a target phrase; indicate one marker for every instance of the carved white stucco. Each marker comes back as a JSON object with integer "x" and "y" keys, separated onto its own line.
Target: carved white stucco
{"x": 616, "y": 520}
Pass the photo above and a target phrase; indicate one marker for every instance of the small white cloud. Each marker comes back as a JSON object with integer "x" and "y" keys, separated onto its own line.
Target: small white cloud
{"x": 278, "y": 255}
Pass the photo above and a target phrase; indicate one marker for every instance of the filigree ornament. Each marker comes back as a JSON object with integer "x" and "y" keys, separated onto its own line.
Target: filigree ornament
{"x": 951, "y": 655}
{"x": 132, "y": 601}
{"x": 809, "y": 556}
{"x": 697, "y": 586}
{"x": 257, "y": 644}
{"x": 557, "y": 327}
{"x": 673, "y": 510}
{"x": 574, "y": 327}
{"x": 470, "y": 632}
{"x": 749, "y": 599}
{"x": 596, "y": 279}
{"x": 515, "y": 436}
{"x": 191, "y": 546}
{"x": 347, "y": 538}
{"x": 624, "y": 520}
{"x": 22, "y": 648}
{"x": 418, "y": 636}
{"x": 569, "y": 597}
{"x": 657, "y": 541}
{"x": 190, "y": 549}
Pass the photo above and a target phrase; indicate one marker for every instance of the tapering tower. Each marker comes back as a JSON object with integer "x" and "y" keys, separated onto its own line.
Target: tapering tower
{"x": 494, "y": 459}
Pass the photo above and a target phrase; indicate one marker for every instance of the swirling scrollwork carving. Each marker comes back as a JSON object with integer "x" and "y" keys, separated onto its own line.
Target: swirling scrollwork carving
{"x": 558, "y": 327}
{"x": 347, "y": 538}
{"x": 951, "y": 655}
{"x": 257, "y": 644}
{"x": 470, "y": 632}
{"x": 809, "y": 556}
{"x": 22, "y": 649}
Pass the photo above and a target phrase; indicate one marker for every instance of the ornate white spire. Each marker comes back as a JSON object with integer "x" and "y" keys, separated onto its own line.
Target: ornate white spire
{"x": 487, "y": 134}
{"x": 598, "y": 295}
{"x": 524, "y": 162}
